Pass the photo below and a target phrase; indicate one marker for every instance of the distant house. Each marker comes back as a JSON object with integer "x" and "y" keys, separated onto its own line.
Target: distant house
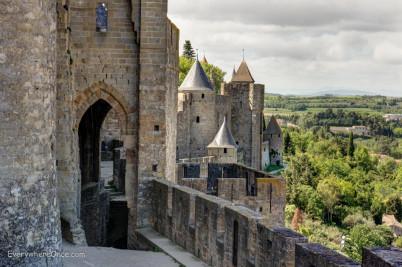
{"x": 393, "y": 117}
{"x": 360, "y": 130}
{"x": 272, "y": 144}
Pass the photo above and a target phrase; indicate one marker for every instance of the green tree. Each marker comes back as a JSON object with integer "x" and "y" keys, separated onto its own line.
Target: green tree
{"x": 351, "y": 146}
{"x": 188, "y": 50}
{"x": 394, "y": 206}
{"x": 335, "y": 193}
{"x": 363, "y": 159}
{"x": 287, "y": 144}
{"x": 185, "y": 64}
{"x": 215, "y": 74}
{"x": 300, "y": 171}
{"x": 363, "y": 235}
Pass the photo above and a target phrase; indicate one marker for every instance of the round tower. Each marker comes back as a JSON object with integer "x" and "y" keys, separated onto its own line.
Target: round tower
{"x": 197, "y": 120}
{"x": 29, "y": 217}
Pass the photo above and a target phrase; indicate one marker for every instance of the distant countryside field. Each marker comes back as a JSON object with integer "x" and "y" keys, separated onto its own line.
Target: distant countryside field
{"x": 342, "y": 158}
{"x": 286, "y": 105}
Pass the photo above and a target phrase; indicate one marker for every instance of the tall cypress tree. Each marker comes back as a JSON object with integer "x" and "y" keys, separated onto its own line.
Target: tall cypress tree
{"x": 351, "y": 147}
{"x": 287, "y": 144}
{"x": 188, "y": 50}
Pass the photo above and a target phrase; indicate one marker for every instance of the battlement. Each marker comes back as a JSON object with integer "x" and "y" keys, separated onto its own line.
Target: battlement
{"x": 224, "y": 234}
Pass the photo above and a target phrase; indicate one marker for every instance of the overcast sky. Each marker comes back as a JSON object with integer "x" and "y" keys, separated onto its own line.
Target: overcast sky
{"x": 300, "y": 46}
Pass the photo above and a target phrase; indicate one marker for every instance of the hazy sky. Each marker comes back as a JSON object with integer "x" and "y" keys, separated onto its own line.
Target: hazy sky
{"x": 300, "y": 46}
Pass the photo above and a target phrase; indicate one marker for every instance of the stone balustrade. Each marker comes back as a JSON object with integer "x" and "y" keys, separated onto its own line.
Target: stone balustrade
{"x": 224, "y": 234}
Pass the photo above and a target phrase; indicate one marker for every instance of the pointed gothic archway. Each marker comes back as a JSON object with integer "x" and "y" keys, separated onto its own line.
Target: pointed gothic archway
{"x": 92, "y": 106}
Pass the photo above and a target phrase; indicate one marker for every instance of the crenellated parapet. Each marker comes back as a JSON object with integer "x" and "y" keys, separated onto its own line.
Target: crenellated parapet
{"x": 224, "y": 234}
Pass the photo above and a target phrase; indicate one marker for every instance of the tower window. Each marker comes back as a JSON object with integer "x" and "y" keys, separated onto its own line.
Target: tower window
{"x": 155, "y": 167}
{"x": 101, "y": 18}
{"x": 198, "y": 119}
{"x": 202, "y": 96}
{"x": 156, "y": 128}
{"x": 225, "y": 150}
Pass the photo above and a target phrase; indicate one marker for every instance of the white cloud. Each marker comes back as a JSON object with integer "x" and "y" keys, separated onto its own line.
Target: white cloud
{"x": 295, "y": 46}
{"x": 388, "y": 53}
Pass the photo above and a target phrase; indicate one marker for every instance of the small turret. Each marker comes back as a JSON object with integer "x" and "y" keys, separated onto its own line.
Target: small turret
{"x": 223, "y": 147}
{"x": 204, "y": 60}
{"x": 234, "y": 72}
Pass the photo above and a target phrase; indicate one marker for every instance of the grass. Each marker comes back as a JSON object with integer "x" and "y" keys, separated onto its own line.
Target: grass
{"x": 274, "y": 167}
{"x": 283, "y": 111}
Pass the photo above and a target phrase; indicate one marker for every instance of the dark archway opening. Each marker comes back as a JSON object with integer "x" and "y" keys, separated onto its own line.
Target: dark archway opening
{"x": 235, "y": 245}
{"x": 100, "y": 213}
{"x": 89, "y": 138}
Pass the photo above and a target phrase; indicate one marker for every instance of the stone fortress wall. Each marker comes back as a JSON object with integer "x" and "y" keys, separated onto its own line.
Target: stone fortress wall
{"x": 29, "y": 211}
{"x": 222, "y": 233}
{"x": 247, "y": 104}
{"x": 239, "y": 184}
{"x": 201, "y": 114}
{"x": 131, "y": 70}
{"x": 53, "y": 77}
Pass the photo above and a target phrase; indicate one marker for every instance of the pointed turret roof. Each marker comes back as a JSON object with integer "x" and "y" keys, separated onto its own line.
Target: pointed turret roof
{"x": 204, "y": 60}
{"x": 196, "y": 79}
{"x": 243, "y": 74}
{"x": 224, "y": 138}
{"x": 273, "y": 126}
{"x": 234, "y": 72}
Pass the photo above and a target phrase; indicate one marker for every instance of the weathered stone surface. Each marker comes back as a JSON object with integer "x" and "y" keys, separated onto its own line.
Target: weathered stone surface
{"x": 316, "y": 255}
{"x": 29, "y": 211}
{"x": 240, "y": 236}
{"x": 223, "y": 234}
{"x": 209, "y": 227}
{"x": 201, "y": 113}
{"x": 183, "y": 216}
{"x": 382, "y": 257}
{"x": 276, "y": 246}
{"x": 94, "y": 66}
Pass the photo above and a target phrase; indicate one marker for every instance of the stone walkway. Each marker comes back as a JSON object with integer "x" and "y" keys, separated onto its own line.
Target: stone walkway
{"x": 176, "y": 252}
{"x": 106, "y": 171}
{"x": 110, "y": 257}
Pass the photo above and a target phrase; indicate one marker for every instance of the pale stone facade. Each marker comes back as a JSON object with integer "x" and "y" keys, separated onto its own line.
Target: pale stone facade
{"x": 99, "y": 76}
{"x": 272, "y": 146}
{"x": 201, "y": 114}
{"x": 29, "y": 211}
{"x": 60, "y": 78}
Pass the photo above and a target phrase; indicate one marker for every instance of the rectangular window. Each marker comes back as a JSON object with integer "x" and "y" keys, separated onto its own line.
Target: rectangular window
{"x": 101, "y": 17}
{"x": 225, "y": 150}
{"x": 235, "y": 242}
{"x": 198, "y": 119}
{"x": 155, "y": 167}
{"x": 156, "y": 128}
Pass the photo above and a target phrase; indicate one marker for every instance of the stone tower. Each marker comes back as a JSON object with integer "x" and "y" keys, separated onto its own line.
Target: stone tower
{"x": 116, "y": 56}
{"x": 247, "y": 104}
{"x": 197, "y": 122}
{"x": 29, "y": 216}
{"x": 223, "y": 148}
{"x": 272, "y": 144}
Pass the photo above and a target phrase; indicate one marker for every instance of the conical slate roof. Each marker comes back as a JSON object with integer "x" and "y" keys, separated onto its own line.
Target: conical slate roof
{"x": 224, "y": 138}
{"x": 273, "y": 126}
{"x": 243, "y": 74}
{"x": 204, "y": 60}
{"x": 234, "y": 72}
{"x": 196, "y": 79}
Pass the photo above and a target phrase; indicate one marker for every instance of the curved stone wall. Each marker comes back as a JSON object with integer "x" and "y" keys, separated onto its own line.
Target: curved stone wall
{"x": 29, "y": 213}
